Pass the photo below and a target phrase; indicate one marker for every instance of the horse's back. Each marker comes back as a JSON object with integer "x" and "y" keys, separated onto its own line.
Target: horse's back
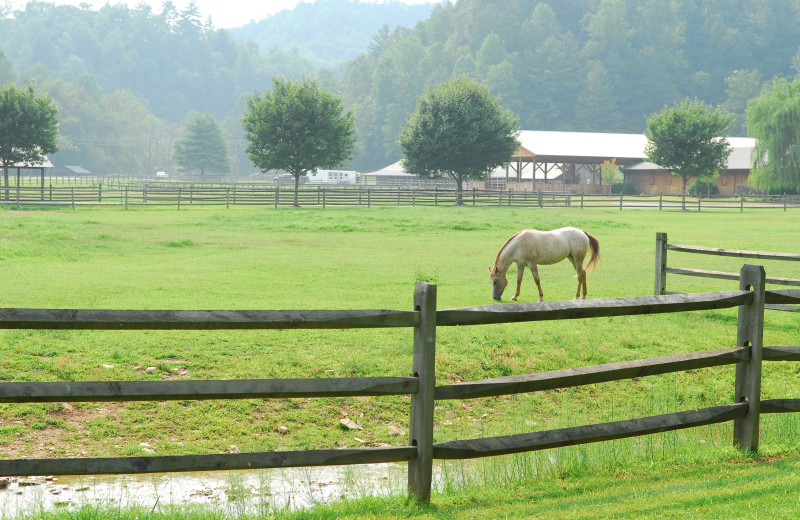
{"x": 549, "y": 247}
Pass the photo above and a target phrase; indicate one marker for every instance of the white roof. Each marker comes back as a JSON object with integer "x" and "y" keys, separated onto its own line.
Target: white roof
{"x": 739, "y": 159}
{"x": 44, "y": 163}
{"x": 583, "y": 144}
{"x": 392, "y": 169}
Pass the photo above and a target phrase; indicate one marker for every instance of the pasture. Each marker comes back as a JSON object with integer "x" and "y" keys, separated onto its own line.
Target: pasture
{"x": 261, "y": 258}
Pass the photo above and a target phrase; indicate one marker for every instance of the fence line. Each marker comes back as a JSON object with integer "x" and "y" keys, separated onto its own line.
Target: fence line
{"x": 421, "y": 450}
{"x": 661, "y": 268}
{"x": 246, "y": 194}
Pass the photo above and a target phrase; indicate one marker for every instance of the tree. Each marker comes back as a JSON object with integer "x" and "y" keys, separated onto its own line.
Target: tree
{"x": 773, "y": 118}
{"x": 686, "y": 139}
{"x": 460, "y": 130}
{"x": 28, "y": 127}
{"x": 298, "y": 127}
{"x": 203, "y": 146}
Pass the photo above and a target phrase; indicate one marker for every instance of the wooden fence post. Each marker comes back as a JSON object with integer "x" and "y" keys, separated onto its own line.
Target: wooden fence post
{"x": 660, "y": 195}
{"x": 581, "y": 200}
{"x": 750, "y": 333}
{"x": 420, "y": 468}
{"x": 661, "y": 264}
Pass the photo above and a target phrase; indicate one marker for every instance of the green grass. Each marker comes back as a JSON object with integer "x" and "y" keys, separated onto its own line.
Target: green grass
{"x": 260, "y": 258}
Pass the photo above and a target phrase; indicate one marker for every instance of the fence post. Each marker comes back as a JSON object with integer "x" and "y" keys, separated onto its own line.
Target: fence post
{"x": 323, "y": 197}
{"x": 72, "y": 197}
{"x": 126, "y": 197}
{"x": 277, "y": 196}
{"x": 227, "y": 198}
{"x": 99, "y": 193}
{"x": 620, "y": 200}
{"x": 659, "y": 200}
{"x": 581, "y": 200}
{"x": 699, "y": 198}
{"x": 179, "y": 199}
{"x": 741, "y": 203}
{"x": 750, "y": 333}
{"x": 661, "y": 264}
{"x": 420, "y": 468}
{"x": 540, "y": 198}
{"x": 473, "y": 199}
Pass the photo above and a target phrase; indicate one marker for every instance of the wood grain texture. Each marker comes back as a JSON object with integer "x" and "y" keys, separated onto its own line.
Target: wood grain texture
{"x": 576, "y": 309}
{"x": 45, "y": 392}
{"x": 11, "y": 318}
{"x": 492, "y": 446}
{"x": 275, "y": 459}
{"x": 734, "y": 252}
{"x": 588, "y": 375}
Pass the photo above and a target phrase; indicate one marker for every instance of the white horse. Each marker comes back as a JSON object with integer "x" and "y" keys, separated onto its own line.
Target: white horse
{"x": 530, "y": 248}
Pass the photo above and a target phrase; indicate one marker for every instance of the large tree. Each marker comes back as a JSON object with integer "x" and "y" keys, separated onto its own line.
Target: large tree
{"x": 203, "y": 146}
{"x": 458, "y": 130}
{"x": 773, "y": 118}
{"x": 28, "y": 127}
{"x": 298, "y": 127}
{"x": 686, "y": 139}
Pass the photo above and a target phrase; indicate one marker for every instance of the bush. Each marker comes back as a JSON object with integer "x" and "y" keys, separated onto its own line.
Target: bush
{"x": 626, "y": 188}
{"x": 778, "y": 190}
{"x": 704, "y": 188}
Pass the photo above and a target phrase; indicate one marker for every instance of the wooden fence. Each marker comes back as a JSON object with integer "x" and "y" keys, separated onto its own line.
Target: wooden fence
{"x": 421, "y": 450}
{"x": 177, "y": 194}
{"x": 661, "y": 269}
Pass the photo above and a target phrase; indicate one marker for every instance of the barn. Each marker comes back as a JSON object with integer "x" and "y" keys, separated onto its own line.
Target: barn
{"x": 570, "y": 161}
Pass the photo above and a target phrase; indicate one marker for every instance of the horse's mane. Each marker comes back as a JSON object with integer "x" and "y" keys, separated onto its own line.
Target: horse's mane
{"x": 504, "y": 246}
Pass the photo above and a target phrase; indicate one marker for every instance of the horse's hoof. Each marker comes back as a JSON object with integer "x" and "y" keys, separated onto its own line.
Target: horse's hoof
{"x": 541, "y": 300}
{"x": 498, "y": 299}
{"x": 514, "y": 299}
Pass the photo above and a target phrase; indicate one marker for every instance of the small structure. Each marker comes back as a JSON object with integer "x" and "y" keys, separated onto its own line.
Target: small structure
{"x": 651, "y": 179}
{"x": 40, "y": 166}
{"x": 334, "y": 177}
{"x": 394, "y": 175}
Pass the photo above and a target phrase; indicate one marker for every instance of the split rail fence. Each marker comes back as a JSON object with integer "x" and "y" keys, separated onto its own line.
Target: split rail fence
{"x": 744, "y": 410}
{"x": 253, "y": 194}
{"x": 661, "y": 270}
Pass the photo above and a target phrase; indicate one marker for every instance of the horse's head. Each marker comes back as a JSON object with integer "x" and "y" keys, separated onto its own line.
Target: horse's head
{"x": 499, "y": 283}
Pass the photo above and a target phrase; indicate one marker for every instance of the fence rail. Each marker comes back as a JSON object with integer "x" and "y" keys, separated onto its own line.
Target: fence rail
{"x": 661, "y": 269}
{"x": 249, "y": 194}
{"x": 421, "y": 450}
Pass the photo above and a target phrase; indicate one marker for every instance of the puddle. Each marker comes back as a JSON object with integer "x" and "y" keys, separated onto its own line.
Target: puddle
{"x": 242, "y": 492}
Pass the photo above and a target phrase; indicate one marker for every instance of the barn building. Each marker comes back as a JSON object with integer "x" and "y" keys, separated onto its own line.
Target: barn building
{"x": 570, "y": 161}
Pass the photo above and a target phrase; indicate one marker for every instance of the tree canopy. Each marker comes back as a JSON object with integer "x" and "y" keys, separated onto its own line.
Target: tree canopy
{"x": 687, "y": 139}
{"x": 773, "y": 118}
{"x": 298, "y": 127}
{"x": 459, "y": 130}
{"x": 28, "y": 127}
{"x": 203, "y": 146}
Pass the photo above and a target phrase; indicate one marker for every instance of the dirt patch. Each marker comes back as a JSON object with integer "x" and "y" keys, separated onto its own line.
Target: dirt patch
{"x": 43, "y": 443}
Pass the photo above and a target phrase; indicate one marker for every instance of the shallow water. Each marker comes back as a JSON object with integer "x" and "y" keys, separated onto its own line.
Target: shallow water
{"x": 244, "y": 491}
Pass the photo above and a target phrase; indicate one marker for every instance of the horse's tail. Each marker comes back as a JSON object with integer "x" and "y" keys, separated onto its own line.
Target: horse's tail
{"x": 595, "y": 246}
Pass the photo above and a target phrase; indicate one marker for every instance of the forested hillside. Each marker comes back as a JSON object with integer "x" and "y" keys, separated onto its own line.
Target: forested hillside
{"x": 329, "y": 32}
{"x": 578, "y": 65}
{"x": 124, "y": 78}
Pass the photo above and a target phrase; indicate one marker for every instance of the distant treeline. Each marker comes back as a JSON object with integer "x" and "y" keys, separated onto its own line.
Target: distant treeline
{"x": 124, "y": 78}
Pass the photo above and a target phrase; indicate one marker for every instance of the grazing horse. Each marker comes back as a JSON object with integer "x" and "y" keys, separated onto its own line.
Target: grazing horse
{"x": 530, "y": 248}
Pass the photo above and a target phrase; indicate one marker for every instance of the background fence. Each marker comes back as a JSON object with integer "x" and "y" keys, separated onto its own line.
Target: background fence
{"x": 262, "y": 194}
{"x": 661, "y": 270}
{"x": 744, "y": 411}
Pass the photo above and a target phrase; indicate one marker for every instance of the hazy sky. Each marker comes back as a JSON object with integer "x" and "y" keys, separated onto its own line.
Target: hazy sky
{"x": 224, "y": 13}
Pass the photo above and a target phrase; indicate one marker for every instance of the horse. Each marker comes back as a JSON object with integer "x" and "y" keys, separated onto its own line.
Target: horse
{"x": 531, "y": 248}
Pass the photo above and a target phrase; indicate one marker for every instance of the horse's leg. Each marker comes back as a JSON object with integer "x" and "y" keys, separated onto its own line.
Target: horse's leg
{"x": 578, "y": 264}
{"x": 535, "y": 271}
{"x": 520, "y": 272}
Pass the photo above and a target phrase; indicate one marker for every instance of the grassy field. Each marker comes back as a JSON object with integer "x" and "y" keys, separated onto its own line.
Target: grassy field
{"x": 372, "y": 258}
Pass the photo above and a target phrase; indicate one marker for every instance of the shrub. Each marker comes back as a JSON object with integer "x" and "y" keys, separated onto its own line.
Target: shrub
{"x": 705, "y": 188}
{"x": 626, "y": 188}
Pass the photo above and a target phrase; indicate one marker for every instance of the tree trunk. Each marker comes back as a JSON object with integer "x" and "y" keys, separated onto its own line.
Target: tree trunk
{"x": 459, "y": 191}
{"x": 296, "y": 188}
{"x": 683, "y": 194}
{"x": 5, "y": 177}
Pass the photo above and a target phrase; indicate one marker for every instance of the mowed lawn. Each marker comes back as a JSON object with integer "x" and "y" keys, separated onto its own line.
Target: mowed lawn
{"x": 371, "y": 258}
